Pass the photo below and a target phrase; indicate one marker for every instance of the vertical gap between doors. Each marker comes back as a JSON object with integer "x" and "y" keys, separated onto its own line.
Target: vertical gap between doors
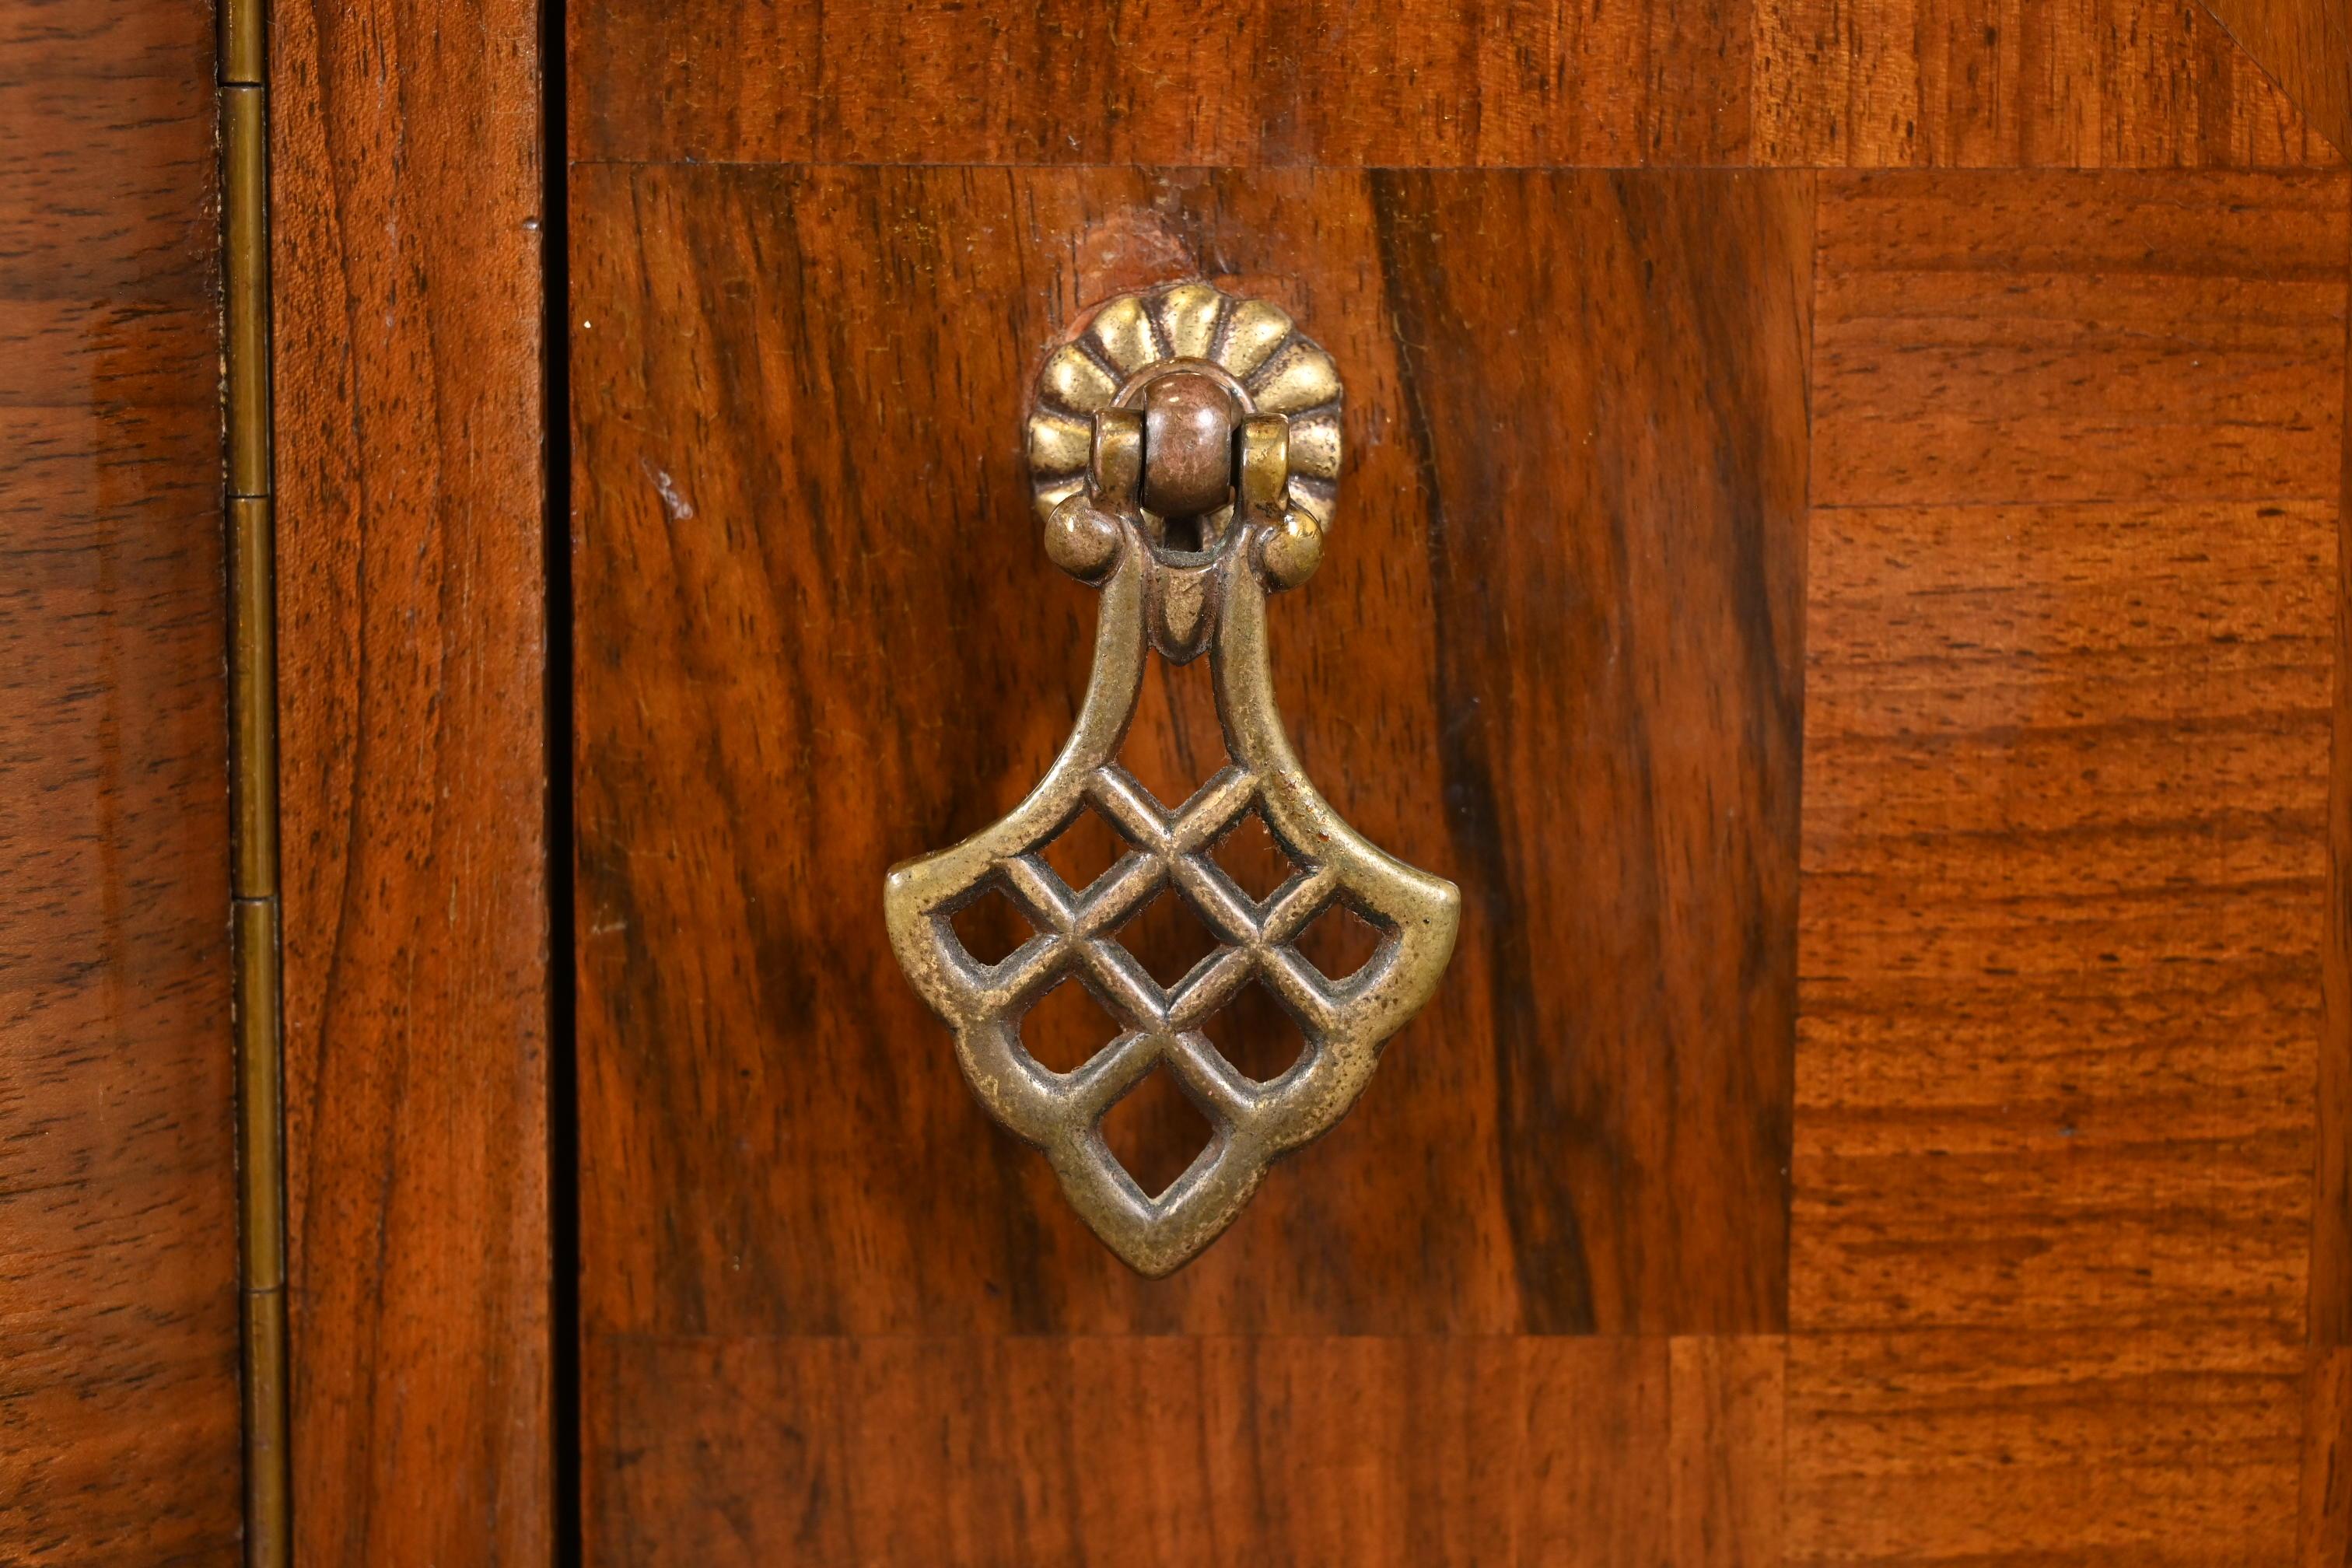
{"x": 563, "y": 1075}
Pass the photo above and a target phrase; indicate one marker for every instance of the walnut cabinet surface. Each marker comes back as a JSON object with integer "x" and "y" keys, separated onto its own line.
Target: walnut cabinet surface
{"x": 1839, "y": 559}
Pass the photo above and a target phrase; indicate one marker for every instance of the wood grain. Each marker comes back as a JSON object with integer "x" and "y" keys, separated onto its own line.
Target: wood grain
{"x": 2305, "y": 46}
{"x": 1725, "y": 1453}
{"x": 119, "y": 1437}
{"x": 2064, "y": 848}
{"x": 1994, "y": 1446}
{"x": 1614, "y": 524}
{"x": 2324, "y": 1522}
{"x": 776, "y": 366}
{"x": 1440, "y": 82}
{"x": 2066, "y": 742}
{"x": 1437, "y": 84}
{"x": 2016, "y": 84}
{"x": 2331, "y": 1201}
{"x": 1147, "y": 1451}
{"x": 2048, "y": 338}
{"x": 411, "y": 635}
{"x": 2065, "y": 451}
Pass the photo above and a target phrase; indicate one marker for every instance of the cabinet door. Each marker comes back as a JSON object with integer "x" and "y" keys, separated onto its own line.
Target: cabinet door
{"x": 1960, "y": 1208}
{"x": 1838, "y": 560}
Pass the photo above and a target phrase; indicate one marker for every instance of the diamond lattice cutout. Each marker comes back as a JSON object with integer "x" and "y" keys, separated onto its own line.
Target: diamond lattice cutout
{"x": 991, "y": 927}
{"x": 1256, "y": 1034}
{"x": 1169, "y": 939}
{"x": 1255, "y": 859}
{"x": 1067, "y": 1028}
{"x": 1084, "y": 850}
{"x": 1156, "y": 1132}
{"x": 1339, "y": 943}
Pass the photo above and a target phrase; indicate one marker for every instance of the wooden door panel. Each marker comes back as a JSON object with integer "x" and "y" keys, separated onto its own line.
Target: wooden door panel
{"x": 119, "y": 1299}
{"x": 2006, "y": 84}
{"x": 411, "y": 594}
{"x": 1611, "y": 506}
{"x": 807, "y": 559}
{"x": 1171, "y": 1452}
{"x": 1960, "y": 1208}
{"x": 2071, "y": 612}
{"x": 1553, "y": 653}
{"x": 1437, "y": 84}
{"x": 2001, "y": 1446}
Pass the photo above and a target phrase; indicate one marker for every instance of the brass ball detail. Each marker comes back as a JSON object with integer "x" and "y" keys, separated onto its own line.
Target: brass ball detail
{"x": 1188, "y": 445}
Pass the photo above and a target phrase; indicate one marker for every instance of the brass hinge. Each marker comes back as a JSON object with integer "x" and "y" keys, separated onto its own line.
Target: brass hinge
{"x": 253, "y": 781}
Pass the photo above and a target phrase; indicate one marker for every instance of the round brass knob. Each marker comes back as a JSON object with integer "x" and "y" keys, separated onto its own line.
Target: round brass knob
{"x": 1188, "y": 445}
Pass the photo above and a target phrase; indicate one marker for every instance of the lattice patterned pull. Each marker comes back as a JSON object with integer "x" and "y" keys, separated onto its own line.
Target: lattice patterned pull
{"x": 1185, "y": 452}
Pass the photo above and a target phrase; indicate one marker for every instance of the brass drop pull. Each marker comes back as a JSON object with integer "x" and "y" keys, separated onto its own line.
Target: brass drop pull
{"x": 1184, "y": 452}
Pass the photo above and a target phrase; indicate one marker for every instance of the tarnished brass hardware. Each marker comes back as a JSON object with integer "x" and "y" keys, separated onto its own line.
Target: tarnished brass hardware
{"x": 254, "y": 916}
{"x": 261, "y": 1216}
{"x": 1188, "y": 445}
{"x": 244, "y": 216}
{"x": 241, "y": 60}
{"x": 1125, "y": 419}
